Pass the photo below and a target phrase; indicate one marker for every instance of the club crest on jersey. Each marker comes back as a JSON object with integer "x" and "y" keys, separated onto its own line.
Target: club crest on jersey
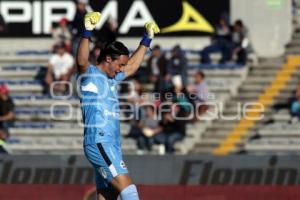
{"x": 122, "y": 164}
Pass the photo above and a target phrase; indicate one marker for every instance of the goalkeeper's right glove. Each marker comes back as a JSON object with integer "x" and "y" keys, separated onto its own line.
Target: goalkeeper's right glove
{"x": 150, "y": 30}
{"x": 90, "y": 21}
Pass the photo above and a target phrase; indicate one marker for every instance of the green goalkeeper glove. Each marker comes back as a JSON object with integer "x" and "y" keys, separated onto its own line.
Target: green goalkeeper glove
{"x": 90, "y": 21}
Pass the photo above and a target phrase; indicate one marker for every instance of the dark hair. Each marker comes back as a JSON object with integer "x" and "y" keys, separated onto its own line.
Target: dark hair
{"x": 156, "y": 47}
{"x": 239, "y": 23}
{"x": 98, "y": 45}
{"x": 200, "y": 73}
{"x": 114, "y": 50}
{"x": 60, "y": 45}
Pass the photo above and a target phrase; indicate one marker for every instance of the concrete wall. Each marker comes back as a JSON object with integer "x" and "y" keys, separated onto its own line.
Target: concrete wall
{"x": 269, "y": 22}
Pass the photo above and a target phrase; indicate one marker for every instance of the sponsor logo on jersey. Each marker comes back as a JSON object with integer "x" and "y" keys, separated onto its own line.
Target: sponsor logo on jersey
{"x": 122, "y": 164}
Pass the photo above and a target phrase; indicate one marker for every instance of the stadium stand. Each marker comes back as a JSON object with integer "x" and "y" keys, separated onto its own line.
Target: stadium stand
{"x": 34, "y": 119}
{"x": 272, "y": 81}
{"x": 57, "y": 118}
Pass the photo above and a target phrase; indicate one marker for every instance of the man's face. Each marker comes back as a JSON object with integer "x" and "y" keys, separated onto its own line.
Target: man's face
{"x": 222, "y": 22}
{"x": 149, "y": 111}
{"x": 198, "y": 78}
{"x": 82, "y": 7}
{"x": 3, "y": 96}
{"x": 60, "y": 51}
{"x": 238, "y": 28}
{"x": 156, "y": 52}
{"x": 117, "y": 65}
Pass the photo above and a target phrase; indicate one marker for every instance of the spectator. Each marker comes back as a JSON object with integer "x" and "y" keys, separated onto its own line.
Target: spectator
{"x": 166, "y": 86}
{"x": 60, "y": 68}
{"x": 149, "y": 127}
{"x": 62, "y": 34}
{"x": 3, "y": 28}
{"x": 173, "y": 129}
{"x": 240, "y": 42}
{"x": 135, "y": 92}
{"x": 294, "y": 8}
{"x": 295, "y": 105}
{"x": 180, "y": 96}
{"x": 199, "y": 92}
{"x": 221, "y": 42}
{"x": 7, "y": 114}
{"x": 156, "y": 68}
{"x": 292, "y": 104}
{"x": 135, "y": 100}
{"x": 177, "y": 64}
{"x": 77, "y": 28}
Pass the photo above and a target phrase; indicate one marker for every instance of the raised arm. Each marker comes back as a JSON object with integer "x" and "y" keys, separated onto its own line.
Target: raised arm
{"x": 83, "y": 51}
{"x": 82, "y": 58}
{"x": 135, "y": 60}
{"x": 137, "y": 57}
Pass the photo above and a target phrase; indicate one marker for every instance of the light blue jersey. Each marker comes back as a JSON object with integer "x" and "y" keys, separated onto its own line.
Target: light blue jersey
{"x": 100, "y": 106}
{"x": 101, "y": 113}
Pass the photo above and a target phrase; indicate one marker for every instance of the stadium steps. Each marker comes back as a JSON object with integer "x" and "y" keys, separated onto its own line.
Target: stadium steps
{"x": 8, "y": 59}
{"x": 18, "y": 75}
{"x": 274, "y": 145}
{"x": 62, "y": 140}
{"x": 259, "y": 77}
{"x": 54, "y": 113}
{"x": 236, "y": 73}
{"x": 53, "y": 129}
{"x": 281, "y": 127}
{"x": 279, "y": 116}
{"x": 193, "y": 133}
{"x": 45, "y": 102}
{"x": 46, "y": 143}
{"x": 266, "y": 98}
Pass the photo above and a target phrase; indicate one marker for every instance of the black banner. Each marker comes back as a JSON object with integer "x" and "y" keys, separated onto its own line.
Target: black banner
{"x": 27, "y": 18}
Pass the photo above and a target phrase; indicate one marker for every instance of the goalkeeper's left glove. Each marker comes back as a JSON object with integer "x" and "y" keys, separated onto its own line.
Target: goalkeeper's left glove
{"x": 90, "y": 21}
{"x": 151, "y": 29}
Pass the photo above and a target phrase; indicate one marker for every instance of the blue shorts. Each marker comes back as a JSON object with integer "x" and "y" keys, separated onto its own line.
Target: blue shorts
{"x": 107, "y": 161}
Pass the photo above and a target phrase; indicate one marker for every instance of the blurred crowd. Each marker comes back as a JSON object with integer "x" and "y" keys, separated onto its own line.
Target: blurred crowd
{"x": 161, "y": 118}
{"x": 7, "y": 116}
{"x": 165, "y": 77}
{"x": 232, "y": 41}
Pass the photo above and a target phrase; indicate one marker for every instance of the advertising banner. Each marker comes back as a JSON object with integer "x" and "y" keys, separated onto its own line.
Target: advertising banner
{"x": 156, "y": 170}
{"x": 29, "y": 18}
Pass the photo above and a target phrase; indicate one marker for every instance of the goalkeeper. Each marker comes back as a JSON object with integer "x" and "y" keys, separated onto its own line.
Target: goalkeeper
{"x": 100, "y": 108}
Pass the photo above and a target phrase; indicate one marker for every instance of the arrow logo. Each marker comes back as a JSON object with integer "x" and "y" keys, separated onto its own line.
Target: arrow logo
{"x": 191, "y": 20}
